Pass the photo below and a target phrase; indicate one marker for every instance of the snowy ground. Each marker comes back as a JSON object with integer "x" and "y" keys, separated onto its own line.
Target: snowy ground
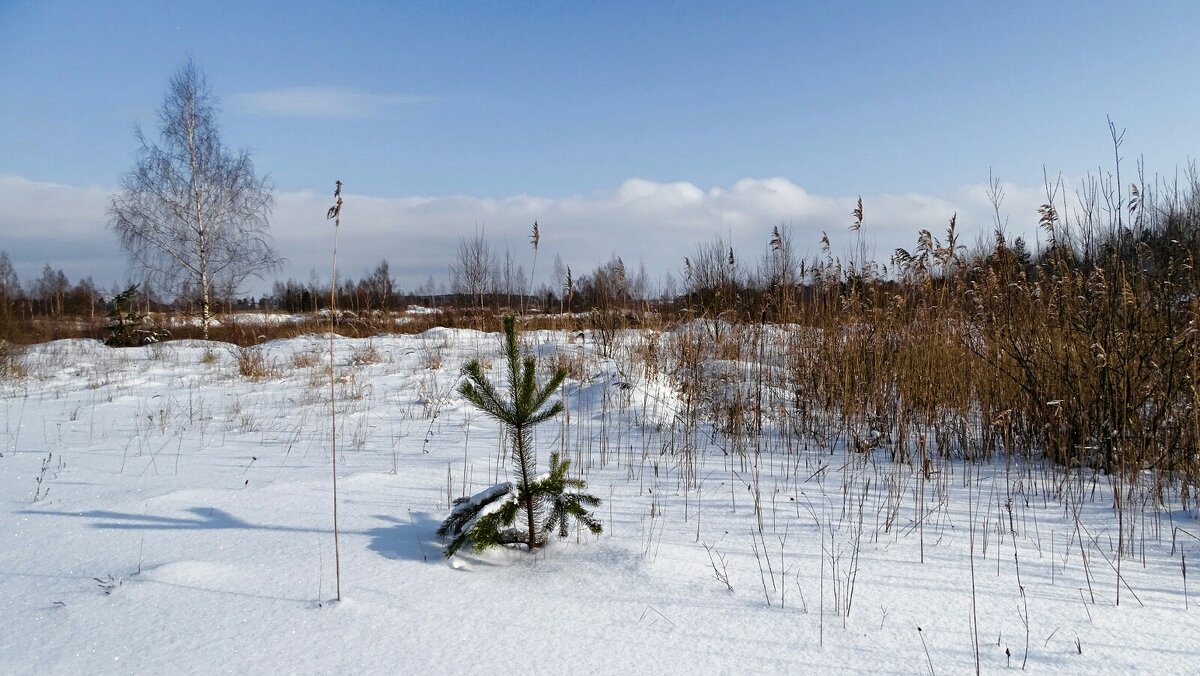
{"x": 161, "y": 513}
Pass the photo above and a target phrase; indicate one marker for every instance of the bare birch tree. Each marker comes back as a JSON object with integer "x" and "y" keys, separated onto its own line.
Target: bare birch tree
{"x": 10, "y": 289}
{"x": 473, "y": 268}
{"x": 191, "y": 213}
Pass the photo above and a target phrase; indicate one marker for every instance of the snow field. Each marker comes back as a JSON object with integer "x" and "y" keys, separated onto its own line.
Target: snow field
{"x": 163, "y": 513}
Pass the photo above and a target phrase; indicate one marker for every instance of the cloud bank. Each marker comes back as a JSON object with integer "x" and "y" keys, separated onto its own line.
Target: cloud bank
{"x": 319, "y": 102}
{"x": 642, "y": 221}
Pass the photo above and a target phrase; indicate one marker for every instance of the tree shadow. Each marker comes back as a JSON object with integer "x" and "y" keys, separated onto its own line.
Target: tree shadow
{"x": 206, "y": 518}
{"x": 410, "y": 540}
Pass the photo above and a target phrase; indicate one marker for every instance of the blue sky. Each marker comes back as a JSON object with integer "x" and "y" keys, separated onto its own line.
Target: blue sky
{"x": 561, "y": 104}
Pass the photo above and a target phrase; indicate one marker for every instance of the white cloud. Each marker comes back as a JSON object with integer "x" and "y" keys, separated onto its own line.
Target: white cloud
{"x": 62, "y": 225}
{"x": 62, "y": 210}
{"x": 639, "y": 220}
{"x": 321, "y": 102}
{"x": 1018, "y": 207}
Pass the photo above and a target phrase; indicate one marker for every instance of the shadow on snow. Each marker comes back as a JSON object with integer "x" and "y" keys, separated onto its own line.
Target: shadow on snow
{"x": 411, "y": 540}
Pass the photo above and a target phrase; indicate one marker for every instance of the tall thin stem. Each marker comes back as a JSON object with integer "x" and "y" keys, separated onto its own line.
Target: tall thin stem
{"x": 534, "y": 239}
{"x": 335, "y": 212}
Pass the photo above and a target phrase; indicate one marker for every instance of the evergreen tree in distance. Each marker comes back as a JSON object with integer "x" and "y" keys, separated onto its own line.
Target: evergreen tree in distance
{"x": 509, "y": 513}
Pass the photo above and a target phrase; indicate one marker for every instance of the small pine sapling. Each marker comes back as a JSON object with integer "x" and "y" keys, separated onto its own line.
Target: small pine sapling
{"x": 124, "y": 323}
{"x": 489, "y": 518}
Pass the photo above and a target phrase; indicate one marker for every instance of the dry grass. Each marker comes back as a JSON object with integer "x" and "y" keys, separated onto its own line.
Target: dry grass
{"x": 306, "y": 360}
{"x": 365, "y": 355}
{"x": 431, "y": 359}
{"x": 253, "y": 363}
{"x": 11, "y": 366}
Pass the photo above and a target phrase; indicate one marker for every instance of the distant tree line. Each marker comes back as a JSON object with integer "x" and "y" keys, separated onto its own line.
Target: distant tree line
{"x": 375, "y": 293}
{"x": 50, "y": 294}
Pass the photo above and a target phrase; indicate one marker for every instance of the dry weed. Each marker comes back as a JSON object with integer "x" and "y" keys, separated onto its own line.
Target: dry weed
{"x": 11, "y": 365}
{"x": 306, "y": 360}
{"x": 253, "y": 364}
{"x": 365, "y": 355}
